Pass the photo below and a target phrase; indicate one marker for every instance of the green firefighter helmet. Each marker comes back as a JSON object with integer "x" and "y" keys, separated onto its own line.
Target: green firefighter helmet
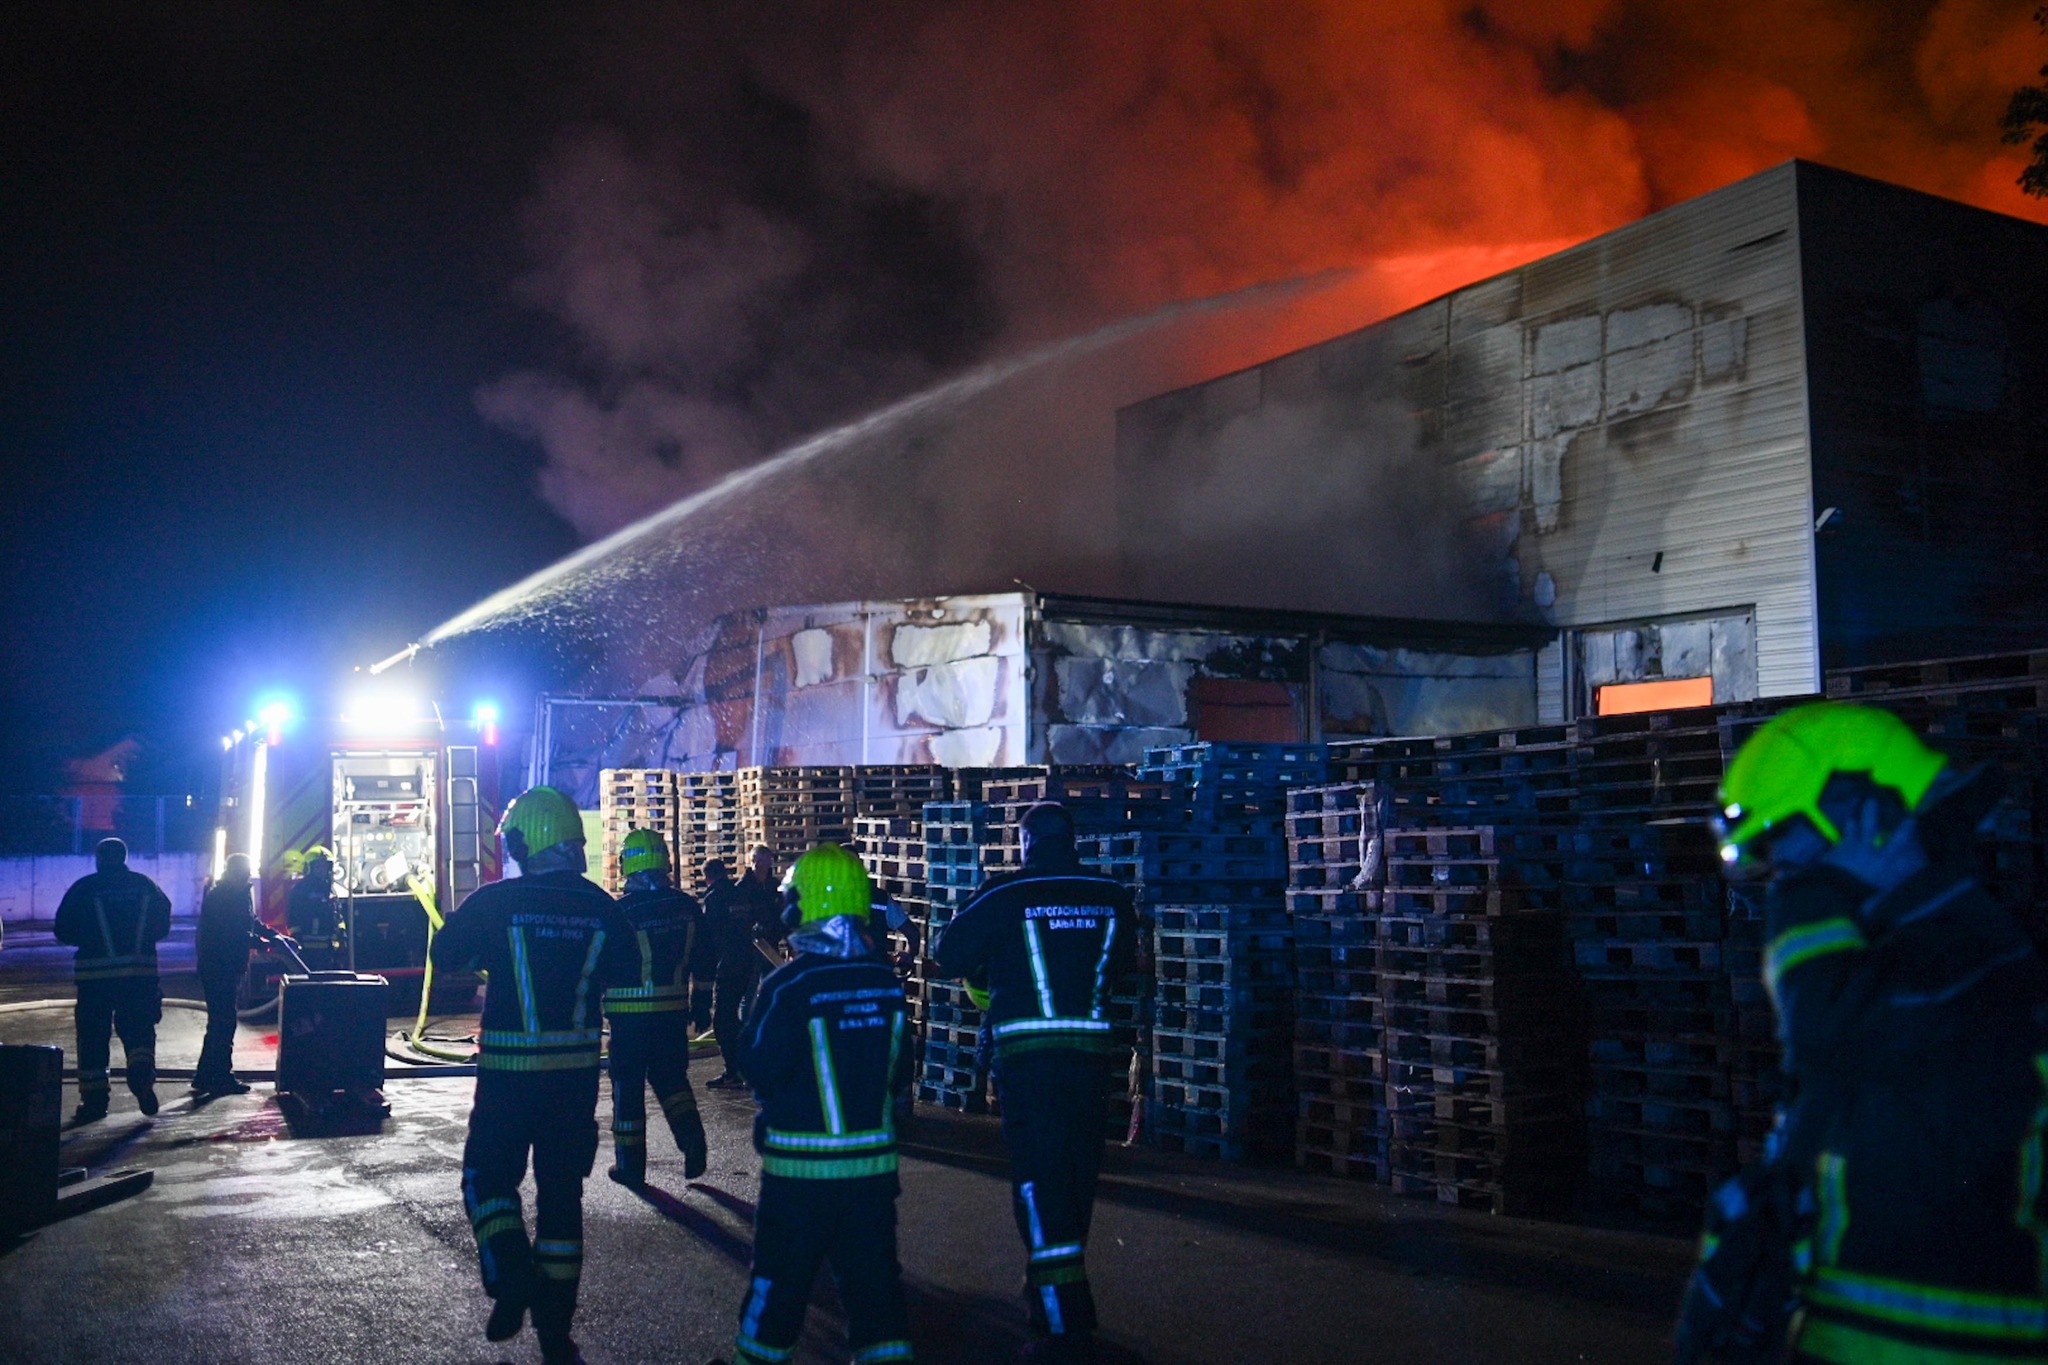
{"x": 538, "y": 819}
{"x": 643, "y": 851}
{"x": 1781, "y": 771}
{"x": 827, "y": 881}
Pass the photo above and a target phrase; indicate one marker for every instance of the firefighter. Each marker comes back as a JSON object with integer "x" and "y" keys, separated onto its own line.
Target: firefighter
{"x": 651, "y": 1018}
{"x": 1045, "y": 945}
{"x": 310, "y": 912}
{"x": 1902, "y": 1215}
{"x": 553, "y": 943}
{"x": 227, "y": 927}
{"x": 824, "y": 1049}
{"x": 115, "y": 917}
{"x": 740, "y": 916}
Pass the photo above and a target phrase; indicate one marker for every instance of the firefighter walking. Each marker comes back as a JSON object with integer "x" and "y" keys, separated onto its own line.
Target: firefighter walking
{"x": 1902, "y": 1215}
{"x": 114, "y": 916}
{"x": 650, "y": 1018}
{"x": 1045, "y": 945}
{"x": 824, "y": 1049}
{"x": 553, "y": 942}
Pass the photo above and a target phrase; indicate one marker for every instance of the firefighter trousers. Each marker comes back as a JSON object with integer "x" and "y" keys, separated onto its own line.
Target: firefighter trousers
{"x": 801, "y": 1224}
{"x": 553, "y": 1115}
{"x": 217, "y": 1052}
{"x": 653, "y": 1048}
{"x": 129, "y": 1006}
{"x": 735, "y": 985}
{"x": 1054, "y": 1108}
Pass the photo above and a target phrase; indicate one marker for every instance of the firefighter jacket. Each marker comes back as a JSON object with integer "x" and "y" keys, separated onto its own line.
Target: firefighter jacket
{"x": 552, "y": 943}
{"x": 826, "y": 1050}
{"x": 227, "y": 926}
{"x": 115, "y": 919}
{"x": 663, "y": 927}
{"x": 1916, "y": 1030}
{"x": 1047, "y": 943}
{"x": 736, "y": 914}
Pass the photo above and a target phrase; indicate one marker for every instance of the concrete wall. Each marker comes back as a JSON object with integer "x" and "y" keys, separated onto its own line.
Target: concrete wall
{"x": 30, "y": 888}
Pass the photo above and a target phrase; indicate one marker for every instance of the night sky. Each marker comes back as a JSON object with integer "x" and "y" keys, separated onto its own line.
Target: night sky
{"x": 323, "y": 322}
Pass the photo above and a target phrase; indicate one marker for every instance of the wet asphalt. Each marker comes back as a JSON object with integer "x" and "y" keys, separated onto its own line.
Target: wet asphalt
{"x": 264, "y": 1244}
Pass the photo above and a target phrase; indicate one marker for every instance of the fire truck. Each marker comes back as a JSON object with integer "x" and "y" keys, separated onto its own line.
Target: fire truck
{"x": 404, "y": 799}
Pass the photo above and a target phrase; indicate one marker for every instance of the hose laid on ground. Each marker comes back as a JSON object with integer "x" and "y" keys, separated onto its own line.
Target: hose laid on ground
{"x": 417, "y": 1039}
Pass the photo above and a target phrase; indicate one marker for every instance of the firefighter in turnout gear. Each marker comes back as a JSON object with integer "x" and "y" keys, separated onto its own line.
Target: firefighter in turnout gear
{"x": 824, "y": 1049}
{"x": 651, "y": 1018}
{"x": 552, "y": 942}
{"x": 1904, "y": 1212}
{"x": 1046, "y": 944}
{"x": 115, "y": 917}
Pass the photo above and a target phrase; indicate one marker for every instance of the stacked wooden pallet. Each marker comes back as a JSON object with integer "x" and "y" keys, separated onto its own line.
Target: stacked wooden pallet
{"x": 1480, "y": 1048}
{"x": 1648, "y": 920}
{"x": 1656, "y": 765}
{"x": 1236, "y": 788}
{"x": 1221, "y": 1067}
{"x": 792, "y": 809}
{"x": 900, "y": 790}
{"x": 1493, "y": 777}
{"x": 630, "y": 799}
{"x": 956, "y": 852}
{"x": 1335, "y": 865}
{"x": 1176, "y": 867}
{"x": 708, "y": 822}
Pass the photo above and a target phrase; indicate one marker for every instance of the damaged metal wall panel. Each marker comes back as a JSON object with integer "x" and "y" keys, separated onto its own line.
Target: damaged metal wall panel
{"x": 1368, "y": 690}
{"x": 1106, "y": 693}
{"x": 935, "y": 680}
{"x": 939, "y": 680}
{"x": 1665, "y": 461}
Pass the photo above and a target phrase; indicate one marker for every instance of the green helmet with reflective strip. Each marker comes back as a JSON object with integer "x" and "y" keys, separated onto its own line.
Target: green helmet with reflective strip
{"x": 541, "y": 817}
{"x": 827, "y": 881}
{"x": 643, "y": 851}
{"x": 1780, "y": 773}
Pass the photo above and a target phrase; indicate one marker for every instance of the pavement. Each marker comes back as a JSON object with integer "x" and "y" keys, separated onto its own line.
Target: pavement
{"x": 261, "y": 1244}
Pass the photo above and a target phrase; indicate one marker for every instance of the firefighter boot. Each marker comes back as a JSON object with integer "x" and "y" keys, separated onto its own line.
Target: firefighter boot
{"x": 629, "y": 1166}
{"x": 508, "y": 1315}
{"x": 142, "y": 1078}
{"x": 688, "y": 1125}
{"x": 629, "y": 1153}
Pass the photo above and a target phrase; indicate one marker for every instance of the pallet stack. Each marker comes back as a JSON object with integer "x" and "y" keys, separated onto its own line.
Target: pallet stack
{"x": 1236, "y": 788}
{"x": 1480, "y": 1047}
{"x": 791, "y": 809}
{"x": 1656, "y": 765}
{"x": 708, "y": 822}
{"x": 1221, "y": 1071}
{"x": 1335, "y": 865}
{"x": 630, "y": 799}
{"x": 1495, "y": 777}
{"x": 899, "y": 790}
{"x": 1647, "y": 913}
{"x": 956, "y": 854}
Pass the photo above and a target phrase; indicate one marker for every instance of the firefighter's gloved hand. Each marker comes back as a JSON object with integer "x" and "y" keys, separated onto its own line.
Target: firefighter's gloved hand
{"x": 1877, "y": 858}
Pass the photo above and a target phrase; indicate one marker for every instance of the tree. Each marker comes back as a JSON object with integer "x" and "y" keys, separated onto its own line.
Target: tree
{"x": 2028, "y": 111}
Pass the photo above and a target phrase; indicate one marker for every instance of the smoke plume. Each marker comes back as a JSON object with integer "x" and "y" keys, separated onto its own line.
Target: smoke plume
{"x": 772, "y": 219}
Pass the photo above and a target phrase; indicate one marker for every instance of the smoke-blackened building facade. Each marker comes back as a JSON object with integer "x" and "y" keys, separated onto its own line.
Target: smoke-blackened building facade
{"x": 1797, "y": 424}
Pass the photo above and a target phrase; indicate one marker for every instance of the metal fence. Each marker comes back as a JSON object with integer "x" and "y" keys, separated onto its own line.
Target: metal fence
{"x": 38, "y": 826}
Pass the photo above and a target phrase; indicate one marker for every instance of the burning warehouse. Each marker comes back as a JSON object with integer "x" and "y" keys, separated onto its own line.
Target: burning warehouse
{"x": 1772, "y": 431}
